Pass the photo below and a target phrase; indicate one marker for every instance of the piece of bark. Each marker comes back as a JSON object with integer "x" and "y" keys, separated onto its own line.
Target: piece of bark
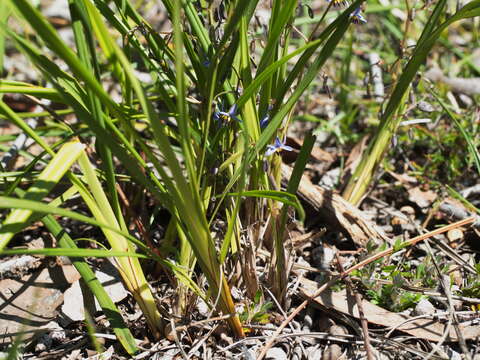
{"x": 338, "y": 212}
{"x": 428, "y": 329}
{"x": 469, "y": 86}
{"x": 457, "y": 210}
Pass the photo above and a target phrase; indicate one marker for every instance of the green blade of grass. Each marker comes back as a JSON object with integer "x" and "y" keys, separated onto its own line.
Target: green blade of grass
{"x": 286, "y": 198}
{"x": 4, "y": 15}
{"x": 15, "y": 87}
{"x": 44, "y": 183}
{"x": 72, "y": 252}
{"x": 87, "y": 53}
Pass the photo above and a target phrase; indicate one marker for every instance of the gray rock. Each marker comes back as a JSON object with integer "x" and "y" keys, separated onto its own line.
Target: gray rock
{"x": 276, "y": 353}
{"x": 424, "y": 307}
{"x": 57, "y": 8}
{"x": 425, "y": 106}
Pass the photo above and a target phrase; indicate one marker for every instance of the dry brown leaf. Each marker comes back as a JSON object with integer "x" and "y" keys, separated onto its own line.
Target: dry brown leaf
{"x": 338, "y": 212}
{"x": 404, "y": 178}
{"x": 422, "y": 198}
{"x": 427, "y": 329}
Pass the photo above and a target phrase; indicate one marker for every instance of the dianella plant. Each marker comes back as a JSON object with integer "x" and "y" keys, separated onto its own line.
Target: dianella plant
{"x": 202, "y": 139}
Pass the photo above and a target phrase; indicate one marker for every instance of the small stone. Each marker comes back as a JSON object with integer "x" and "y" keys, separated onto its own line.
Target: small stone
{"x": 466, "y": 100}
{"x": 323, "y": 257}
{"x": 452, "y": 354}
{"x": 202, "y": 307}
{"x": 425, "y": 106}
{"x": 424, "y": 307}
{"x": 333, "y": 352}
{"x": 41, "y": 346}
{"x": 236, "y": 293}
{"x": 457, "y": 277}
{"x": 73, "y": 305}
{"x": 307, "y": 322}
{"x": 408, "y": 210}
{"x": 337, "y": 330}
{"x": 454, "y": 236}
{"x": 247, "y": 354}
{"x": 276, "y": 354}
{"x": 330, "y": 179}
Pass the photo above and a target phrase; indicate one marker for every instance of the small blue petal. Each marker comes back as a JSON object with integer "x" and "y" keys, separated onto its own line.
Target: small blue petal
{"x": 357, "y": 17}
{"x": 270, "y": 150}
{"x": 264, "y": 122}
{"x": 277, "y": 146}
{"x": 286, "y": 148}
{"x": 278, "y": 143}
{"x": 233, "y": 110}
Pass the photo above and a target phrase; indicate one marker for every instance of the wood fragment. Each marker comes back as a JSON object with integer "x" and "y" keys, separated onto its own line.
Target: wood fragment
{"x": 469, "y": 86}
{"x": 421, "y": 328}
{"x": 338, "y": 212}
{"x": 376, "y": 76}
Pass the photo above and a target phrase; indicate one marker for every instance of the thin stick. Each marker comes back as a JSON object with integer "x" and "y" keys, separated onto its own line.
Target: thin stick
{"x": 411, "y": 242}
{"x": 328, "y": 284}
{"x": 446, "y": 289}
{"x": 204, "y": 322}
{"x": 177, "y": 341}
{"x": 363, "y": 320}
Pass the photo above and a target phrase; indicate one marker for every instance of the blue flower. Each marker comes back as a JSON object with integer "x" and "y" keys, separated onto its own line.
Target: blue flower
{"x": 266, "y": 119}
{"x": 264, "y": 122}
{"x": 224, "y": 117}
{"x": 278, "y": 146}
{"x": 357, "y": 18}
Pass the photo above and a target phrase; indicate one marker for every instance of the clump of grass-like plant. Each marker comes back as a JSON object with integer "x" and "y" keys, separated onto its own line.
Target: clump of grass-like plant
{"x": 202, "y": 139}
